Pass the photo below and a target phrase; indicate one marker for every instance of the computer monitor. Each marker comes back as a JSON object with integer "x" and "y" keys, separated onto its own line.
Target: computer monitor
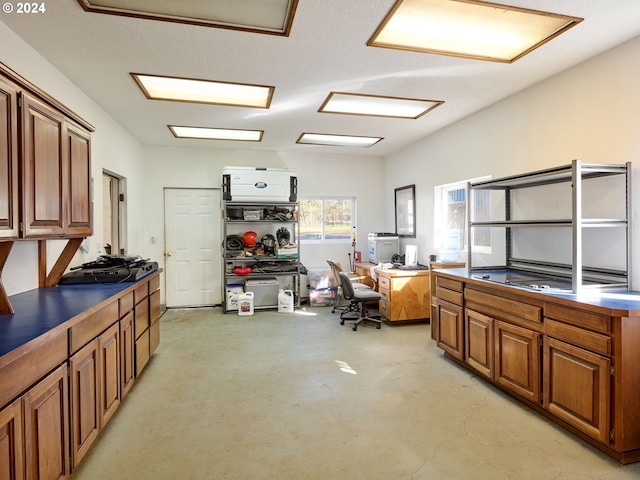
{"x": 411, "y": 255}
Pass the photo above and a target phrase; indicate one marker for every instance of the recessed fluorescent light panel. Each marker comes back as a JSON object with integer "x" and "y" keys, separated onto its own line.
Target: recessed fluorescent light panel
{"x": 206, "y": 133}
{"x": 468, "y": 28}
{"x": 337, "y": 140}
{"x": 359, "y": 104}
{"x": 203, "y": 91}
{"x": 274, "y": 17}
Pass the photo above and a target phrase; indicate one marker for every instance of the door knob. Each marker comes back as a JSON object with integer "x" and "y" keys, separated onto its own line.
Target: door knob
{"x": 168, "y": 254}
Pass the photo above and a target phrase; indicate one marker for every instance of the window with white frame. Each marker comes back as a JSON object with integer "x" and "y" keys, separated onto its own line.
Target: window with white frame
{"x": 450, "y": 217}
{"x": 326, "y": 219}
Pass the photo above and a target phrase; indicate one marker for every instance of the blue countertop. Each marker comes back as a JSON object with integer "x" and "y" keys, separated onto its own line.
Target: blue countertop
{"x": 41, "y": 310}
{"x": 615, "y": 300}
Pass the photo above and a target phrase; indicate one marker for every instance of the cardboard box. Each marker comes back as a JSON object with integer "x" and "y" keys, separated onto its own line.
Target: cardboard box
{"x": 288, "y": 251}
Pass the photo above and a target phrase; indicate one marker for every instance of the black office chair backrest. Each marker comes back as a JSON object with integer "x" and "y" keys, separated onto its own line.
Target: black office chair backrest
{"x": 347, "y": 288}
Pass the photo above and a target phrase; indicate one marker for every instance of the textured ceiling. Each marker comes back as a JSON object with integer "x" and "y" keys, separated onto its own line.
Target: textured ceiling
{"x": 325, "y": 51}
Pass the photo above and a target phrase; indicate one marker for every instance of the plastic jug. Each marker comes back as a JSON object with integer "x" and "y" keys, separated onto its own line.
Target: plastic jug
{"x": 285, "y": 301}
{"x": 245, "y": 304}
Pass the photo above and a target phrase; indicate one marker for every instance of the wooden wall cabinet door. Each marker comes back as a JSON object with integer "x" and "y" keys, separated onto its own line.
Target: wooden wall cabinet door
{"x": 517, "y": 360}
{"x": 46, "y": 428}
{"x": 8, "y": 160}
{"x": 577, "y": 387}
{"x": 479, "y": 351}
{"x": 43, "y": 169}
{"x": 450, "y": 328}
{"x": 77, "y": 198}
{"x": 84, "y": 367}
{"x": 127, "y": 366}
{"x": 11, "y": 441}
{"x": 109, "y": 365}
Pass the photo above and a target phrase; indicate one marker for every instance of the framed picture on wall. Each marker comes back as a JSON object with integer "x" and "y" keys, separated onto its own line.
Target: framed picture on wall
{"x": 406, "y": 211}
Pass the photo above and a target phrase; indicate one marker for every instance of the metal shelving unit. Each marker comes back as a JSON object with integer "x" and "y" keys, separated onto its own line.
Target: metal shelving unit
{"x": 577, "y": 272}
{"x": 272, "y": 216}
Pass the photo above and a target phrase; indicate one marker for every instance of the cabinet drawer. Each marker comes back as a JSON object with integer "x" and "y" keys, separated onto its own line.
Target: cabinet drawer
{"x": 154, "y": 284}
{"x": 140, "y": 292}
{"x": 26, "y": 370}
{"x": 577, "y": 336}
{"x": 141, "y": 319}
{"x": 449, "y": 284}
{"x": 510, "y": 308}
{"x": 384, "y": 307}
{"x": 125, "y": 304}
{"x": 580, "y": 318}
{"x": 449, "y": 295}
{"x": 384, "y": 282}
{"x": 154, "y": 336}
{"x": 142, "y": 352}
{"x": 384, "y": 292}
{"x": 92, "y": 326}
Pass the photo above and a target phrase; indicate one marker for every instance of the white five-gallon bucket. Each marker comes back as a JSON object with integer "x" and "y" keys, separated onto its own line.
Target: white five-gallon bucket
{"x": 285, "y": 301}
{"x": 245, "y": 304}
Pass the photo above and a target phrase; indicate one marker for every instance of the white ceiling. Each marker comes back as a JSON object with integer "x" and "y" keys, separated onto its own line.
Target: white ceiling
{"x": 326, "y": 51}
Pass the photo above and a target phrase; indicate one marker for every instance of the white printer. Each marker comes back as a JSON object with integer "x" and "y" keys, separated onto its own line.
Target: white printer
{"x": 382, "y": 247}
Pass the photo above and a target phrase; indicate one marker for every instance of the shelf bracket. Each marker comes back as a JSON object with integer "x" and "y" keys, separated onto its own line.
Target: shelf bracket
{"x": 5, "y": 304}
{"x": 52, "y": 279}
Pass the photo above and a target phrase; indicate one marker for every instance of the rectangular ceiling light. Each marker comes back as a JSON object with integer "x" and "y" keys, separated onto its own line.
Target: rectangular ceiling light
{"x": 374, "y": 105}
{"x": 274, "y": 17}
{"x": 468, "y": 28}
{"x": 337, "y": 140}
{"x": 156, "y": 87}
{"x": 206, "y": 133}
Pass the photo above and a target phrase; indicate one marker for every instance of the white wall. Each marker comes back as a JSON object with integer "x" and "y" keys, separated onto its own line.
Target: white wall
{"x": 590, "y": 112}
{"x": 343, "y": 175}
{"x": 113, "y": 148}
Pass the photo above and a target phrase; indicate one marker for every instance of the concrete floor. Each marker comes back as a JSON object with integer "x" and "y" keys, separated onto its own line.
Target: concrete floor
{"x": 298, "y": 396}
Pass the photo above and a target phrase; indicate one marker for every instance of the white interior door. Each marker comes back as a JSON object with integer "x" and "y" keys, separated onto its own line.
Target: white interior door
{"x": 192, "y": 247}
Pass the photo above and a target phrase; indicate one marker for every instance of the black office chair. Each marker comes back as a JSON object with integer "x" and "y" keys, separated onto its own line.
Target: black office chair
{"x": 357, "y": 282}
{"x": 358, "y": 299}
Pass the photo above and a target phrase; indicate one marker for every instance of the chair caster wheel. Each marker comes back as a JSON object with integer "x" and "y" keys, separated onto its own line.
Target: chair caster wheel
{"x": 341, "y": 322}
{"x": 378, "y": 326}
{"x": 355, "y": 328}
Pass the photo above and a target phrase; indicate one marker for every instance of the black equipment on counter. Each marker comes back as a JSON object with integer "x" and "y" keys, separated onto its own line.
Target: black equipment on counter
{"x": 109, "y": 269}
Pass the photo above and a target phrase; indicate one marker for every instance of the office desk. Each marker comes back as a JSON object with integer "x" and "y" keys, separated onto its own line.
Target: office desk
{"x": 405, "y": 294}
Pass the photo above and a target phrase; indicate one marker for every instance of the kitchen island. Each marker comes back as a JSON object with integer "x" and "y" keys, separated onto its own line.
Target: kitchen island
{"x": 68, "y": 356}
{"x": 573, "y": 358}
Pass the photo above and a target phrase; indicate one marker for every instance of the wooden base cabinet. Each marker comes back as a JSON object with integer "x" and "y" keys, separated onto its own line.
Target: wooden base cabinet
{"x": 449, "y": 328}
{"x": 84, "y": 371}
{"x": 11, "y": 441}
{"x": 479, "y": 351}
{"x": 577, "y": 387}
{"x": 46, "y": 427}
{"x": 517, "y": 360}
{"x": 572, "y": 361}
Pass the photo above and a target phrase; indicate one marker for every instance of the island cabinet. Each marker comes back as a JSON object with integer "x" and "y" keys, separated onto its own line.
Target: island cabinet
{"x": 573, "y": 359}
{"x": 59, "y": 389}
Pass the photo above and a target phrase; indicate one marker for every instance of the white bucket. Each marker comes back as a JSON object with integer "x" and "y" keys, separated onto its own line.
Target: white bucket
{"x": 245, "y": 304}
{"x": 285, "y": 301}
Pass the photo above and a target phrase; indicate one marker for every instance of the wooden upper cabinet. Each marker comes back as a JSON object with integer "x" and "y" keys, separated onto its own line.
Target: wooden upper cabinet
{"x": 78, "y": 192}
{"x": 56, "y": 173}
{"x": 8, "y": 160}
{"x": 43, "y": 169}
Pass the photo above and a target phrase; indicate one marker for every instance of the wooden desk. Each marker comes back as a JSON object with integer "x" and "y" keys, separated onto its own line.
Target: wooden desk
{"x": 405, "y": 294}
